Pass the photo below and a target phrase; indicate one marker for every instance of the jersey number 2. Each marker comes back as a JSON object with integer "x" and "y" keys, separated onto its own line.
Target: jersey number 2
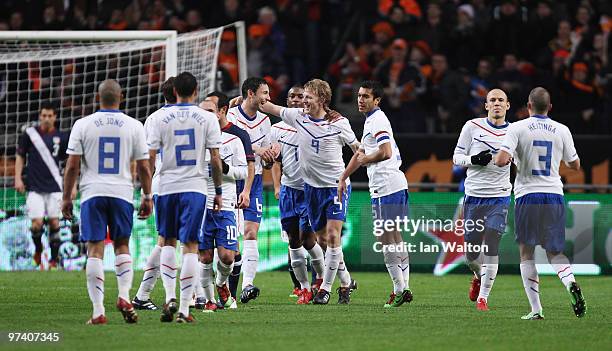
{"x": 546, "y": 158}
{"x": 109, "y": 149}
{"x": 180, "y": 161}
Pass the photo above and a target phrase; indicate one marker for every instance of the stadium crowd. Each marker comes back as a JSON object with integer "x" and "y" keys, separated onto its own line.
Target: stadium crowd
{"x": 436, "y": 59}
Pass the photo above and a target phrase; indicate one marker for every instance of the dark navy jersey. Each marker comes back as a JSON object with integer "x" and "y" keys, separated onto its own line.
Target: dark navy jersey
{"x": 244, "y": 138}
{"x": 37, "y": 176}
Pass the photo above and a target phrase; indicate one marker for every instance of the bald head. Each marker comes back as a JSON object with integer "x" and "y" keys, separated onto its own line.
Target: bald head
{"x": 110, "y": 93}
{"x": 539, "y": 101}
{"x": 497, "y": 105}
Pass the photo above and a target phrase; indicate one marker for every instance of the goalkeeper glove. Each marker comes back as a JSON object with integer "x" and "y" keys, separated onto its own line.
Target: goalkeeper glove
{"x": 482, "y": 158}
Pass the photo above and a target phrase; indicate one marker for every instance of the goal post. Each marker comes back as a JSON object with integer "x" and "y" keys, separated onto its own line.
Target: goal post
{"x": 66, "y": 67}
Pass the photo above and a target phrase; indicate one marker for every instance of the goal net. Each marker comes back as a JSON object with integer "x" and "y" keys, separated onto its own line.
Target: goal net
{"x": 65, "y": 68}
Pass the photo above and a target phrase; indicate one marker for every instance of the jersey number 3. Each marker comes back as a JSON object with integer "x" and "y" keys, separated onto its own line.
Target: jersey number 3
{"x": 546, "y": 158}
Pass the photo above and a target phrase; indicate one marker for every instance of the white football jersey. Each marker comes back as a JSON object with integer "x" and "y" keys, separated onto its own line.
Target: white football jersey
{"x": 478, "y": 135}
{"x": 158, "y": 158}
{"x": 286, "y": 137}
{"x": 320, "y": 146}
{"x": 384, "y": 177}
{"x": 107, "y": 141}
{"x": 538, "y": 145}
{"x": 232, "y": 153}
{"x": 183, "y": 133}
{"x": 258, "y": 128}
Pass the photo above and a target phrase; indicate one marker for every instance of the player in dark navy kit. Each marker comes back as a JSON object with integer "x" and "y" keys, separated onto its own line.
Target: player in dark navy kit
{"x": 42, "y": 149}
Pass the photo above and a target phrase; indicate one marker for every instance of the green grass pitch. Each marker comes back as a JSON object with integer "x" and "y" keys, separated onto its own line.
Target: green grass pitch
{"x": 440, "y": 317}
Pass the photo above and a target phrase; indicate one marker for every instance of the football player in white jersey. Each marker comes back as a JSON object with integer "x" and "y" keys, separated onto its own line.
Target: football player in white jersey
{"x": 142, "y": 300}
{"x": 255, "y": 92}
{"x": 287, "y": 177}
{"x": 102, "y": 147}
{"x": 320, "y": 143}
{"x": 183, "y": 135}
{"x": 388, "y": 186}
{"x": 219, "y": 229}
{"x": 487, "y": 192}
{"x": 538, "y": 145}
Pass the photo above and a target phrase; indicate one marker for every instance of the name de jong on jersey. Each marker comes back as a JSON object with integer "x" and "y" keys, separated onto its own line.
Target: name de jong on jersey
{"x": 107, "y": 140}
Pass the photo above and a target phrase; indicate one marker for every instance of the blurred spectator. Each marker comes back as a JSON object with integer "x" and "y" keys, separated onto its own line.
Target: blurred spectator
{"x": 263, "y": 59}
{"x": 16, "y": 21}
{"x": 228, "y": 58}
{"x": 50, "y": 20}
{"x": 194, "y": 21}
{"x": 401, "y": 22}
{"x": 448, "y": 96}
{"x": 292, "y": 19}
{"x": 433, "y": 30}
{"x": 482, "y": 14}
{"x": 480, "y": 84}
{"x": 403, "y": 84}
{"x": 503, "y": 34}
{"x": 581, "y": 107}
{"x": 347, "y": 72}
{"x": 267, "y": 17}
{"x": 583, "y": 25}
{"x": 117, "y": 21}
{"x": 410, "y": 8}
{"x": 512, "y": 81}
{"x": 375, "y": 51}
{"x": 541, "y": 29}
{"x": 465, "y": 40}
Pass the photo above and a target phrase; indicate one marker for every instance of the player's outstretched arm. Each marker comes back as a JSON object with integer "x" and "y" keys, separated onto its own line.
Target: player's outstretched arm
{"x": 272, "y": 109}
{"x": 71, "y": 173}
{"x": 383, "y": 153}
{"x": 352, "y": 166}
{"x": 217, "y": 175}
{"x": 19, "y": 185}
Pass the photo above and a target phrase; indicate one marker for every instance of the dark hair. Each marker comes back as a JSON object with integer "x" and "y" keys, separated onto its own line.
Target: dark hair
{"x": 540, "y": 100}
{"x": 252, "y": 84}
{"x": 297, "y": 86}
{"x": 377, "y": 88}
{"x": 185, "y": 84}
{"x": 48, "y": 105}
{"x": 167, "y": 89}
{"x": 223, "y": 100}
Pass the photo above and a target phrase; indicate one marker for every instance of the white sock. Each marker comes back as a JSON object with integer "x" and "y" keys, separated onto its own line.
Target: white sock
{"x": 343, "y": 273}
{"x": 405, "y": 266}
{"x": 167, "y": 269}
{"x": 95, "y": 285}
{"x": 250, "y": 258}
{"x": 151, "y": 272}
{"x": 489, "y": 274}
{"x": 392, "y": 262}
{"x": 199, "y": 290}
{"x": 317, "y": 259}
{"x": 298, "y": 264}
{"x": 531, "y": 282}
{"x": 476, "y": 267}
{"x": 206, "y": 276}
{"x": 223, "y": 272}
{"x": 333, "y": 256}
{"x": 125, "y": 275}
{"x": 188, "y": 276}
{"x": 562, "y": 266}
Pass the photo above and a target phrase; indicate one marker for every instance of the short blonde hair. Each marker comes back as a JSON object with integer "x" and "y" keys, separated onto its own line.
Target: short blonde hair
{"x": 321, "y": 89}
